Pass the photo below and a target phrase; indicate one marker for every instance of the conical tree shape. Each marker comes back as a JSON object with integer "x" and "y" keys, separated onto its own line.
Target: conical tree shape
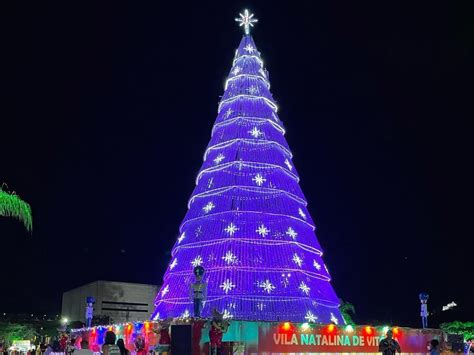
{"x": 247, "y": 222}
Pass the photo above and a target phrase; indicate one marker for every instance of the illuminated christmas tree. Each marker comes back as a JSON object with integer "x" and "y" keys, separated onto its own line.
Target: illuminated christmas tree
{"x": 247, "y": 223}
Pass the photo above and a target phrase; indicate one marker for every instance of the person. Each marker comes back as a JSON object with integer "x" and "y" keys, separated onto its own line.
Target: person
{"x": 140, "y": 346}
{"x": 164, "y": 343}
{"x": 123, "y": 349}
{"x": 57, "y": 348}
{"x": 84, "y": 349}
{"x": 434, "y": 347}
{"x": 219, "y": 326}
{"x": 109, "y": 347}
{"x": 388, "y": 345}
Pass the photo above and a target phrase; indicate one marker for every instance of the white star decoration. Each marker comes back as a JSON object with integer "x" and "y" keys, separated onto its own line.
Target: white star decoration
{"x": 255, "y": 132}
{"x": 227, "y": 286}
{"x": 334, "y": 319}
{"x": 197, "y": 261}
{"x": 219, "y": 158}
{"x": 246, "y": 19}
{"x": 181, "y": 237}
{"x": 236, "y": 70}
{"x": 310, "y": 317}
{"x": 252, "y": 90}
{"x": 287, "y": 162}
{"x": 316, "y": 265}
{"x": 297, "y": 260}
{"x": 291, "y": 233}
{"x": 249, "y": 48}
{"x": 262, "y": 230}
{"x": 165, "y": 290}
{"x": 209, "y": 207}
{"x": 304, "y": 288}
{"x": 185, "y": 314}
{"x": 230, "y": 258}
{"x": 231, "y": 229}
{"x": 267, "y": 286}
{"x": 301, "y": 213}
{"x": 174, "y": 263}
{"x": 259, "y": 179}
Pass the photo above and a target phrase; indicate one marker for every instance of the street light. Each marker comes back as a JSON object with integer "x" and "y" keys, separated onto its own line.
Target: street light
{"x": 64, "y": 320}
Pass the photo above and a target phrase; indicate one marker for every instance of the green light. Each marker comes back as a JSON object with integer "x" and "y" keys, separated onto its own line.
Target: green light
{"x": 349, "y": 328}
{"x": 13, "y": 206}
{"x": 385, "y": 329}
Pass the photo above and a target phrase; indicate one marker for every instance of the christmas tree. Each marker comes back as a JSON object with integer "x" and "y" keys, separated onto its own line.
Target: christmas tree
{"x": 247, "y": 223}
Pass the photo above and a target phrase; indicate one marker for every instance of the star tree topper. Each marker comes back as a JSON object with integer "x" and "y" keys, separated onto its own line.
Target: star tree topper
{"x": 246, "y": 19}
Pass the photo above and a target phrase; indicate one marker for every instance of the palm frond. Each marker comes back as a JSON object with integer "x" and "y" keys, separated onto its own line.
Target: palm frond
{"x": 11, "y": 205}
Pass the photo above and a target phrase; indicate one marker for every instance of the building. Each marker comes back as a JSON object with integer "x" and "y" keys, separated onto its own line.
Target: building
{"x": 120, "y": 301}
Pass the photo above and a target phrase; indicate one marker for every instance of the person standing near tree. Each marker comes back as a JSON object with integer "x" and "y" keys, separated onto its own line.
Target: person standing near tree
{"x": 109, "y": 347}
{"x": 388, "y": 345}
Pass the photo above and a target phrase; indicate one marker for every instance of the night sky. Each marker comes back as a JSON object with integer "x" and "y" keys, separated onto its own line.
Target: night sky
{"x": 107, "y": 109}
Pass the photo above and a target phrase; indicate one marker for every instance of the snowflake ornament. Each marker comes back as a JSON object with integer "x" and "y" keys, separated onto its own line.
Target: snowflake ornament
{"x": 174, "y": 263}
{"x": 227, "y": 286}
{"x": 236, "y": 70}
{"x": 181, "y": 237}
{"x": 285, "y": 279}
{"x": 249, "y": 48}
{"x": 288, "y": 164}
{"x": 210, "y": 183}
{"x": 291, "y": 233}
{"x": 301, "y": 213}
{"x": 267, "y": 286}
{"x": 198, "y": 231}
{"x": 259, "y": 179}
{"x": 334, "y": 319}
{"x": 165, "y": 290}
{"x": 230, "y": 258}
{"x": 255, "y": 132}
{"x": 197, "y": 261}
{"x": 219, "y": 158}
{"x": 297, "y": 260}
{"x": 228, "y": 113}
{"x": 252, "y": 90}
{"x": 304, "y": 288}
{"x": 209, "y": 207}
{"x": 231, "y": 229}
{"x": 262, "y": 230}
{"x": 310, "y": 317}
{"x": 316, "y": 265}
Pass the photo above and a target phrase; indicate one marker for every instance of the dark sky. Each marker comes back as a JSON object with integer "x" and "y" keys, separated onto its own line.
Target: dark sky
{"x": 107, "y": 110}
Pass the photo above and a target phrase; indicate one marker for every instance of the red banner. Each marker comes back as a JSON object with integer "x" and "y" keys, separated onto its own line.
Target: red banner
{"x": 331, "y": 339}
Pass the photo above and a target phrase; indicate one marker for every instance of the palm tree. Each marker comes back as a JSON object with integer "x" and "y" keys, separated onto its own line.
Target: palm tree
{"x": 345, "y": 308}
{"x": 11, "y": 205}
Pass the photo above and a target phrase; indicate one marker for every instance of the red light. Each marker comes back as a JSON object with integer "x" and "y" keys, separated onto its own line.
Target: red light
{"x": 286, "y": 326}
{"x": 93, "y": 330}
{"x": 368, "y": 330}
{"x": 331, "y": 328}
